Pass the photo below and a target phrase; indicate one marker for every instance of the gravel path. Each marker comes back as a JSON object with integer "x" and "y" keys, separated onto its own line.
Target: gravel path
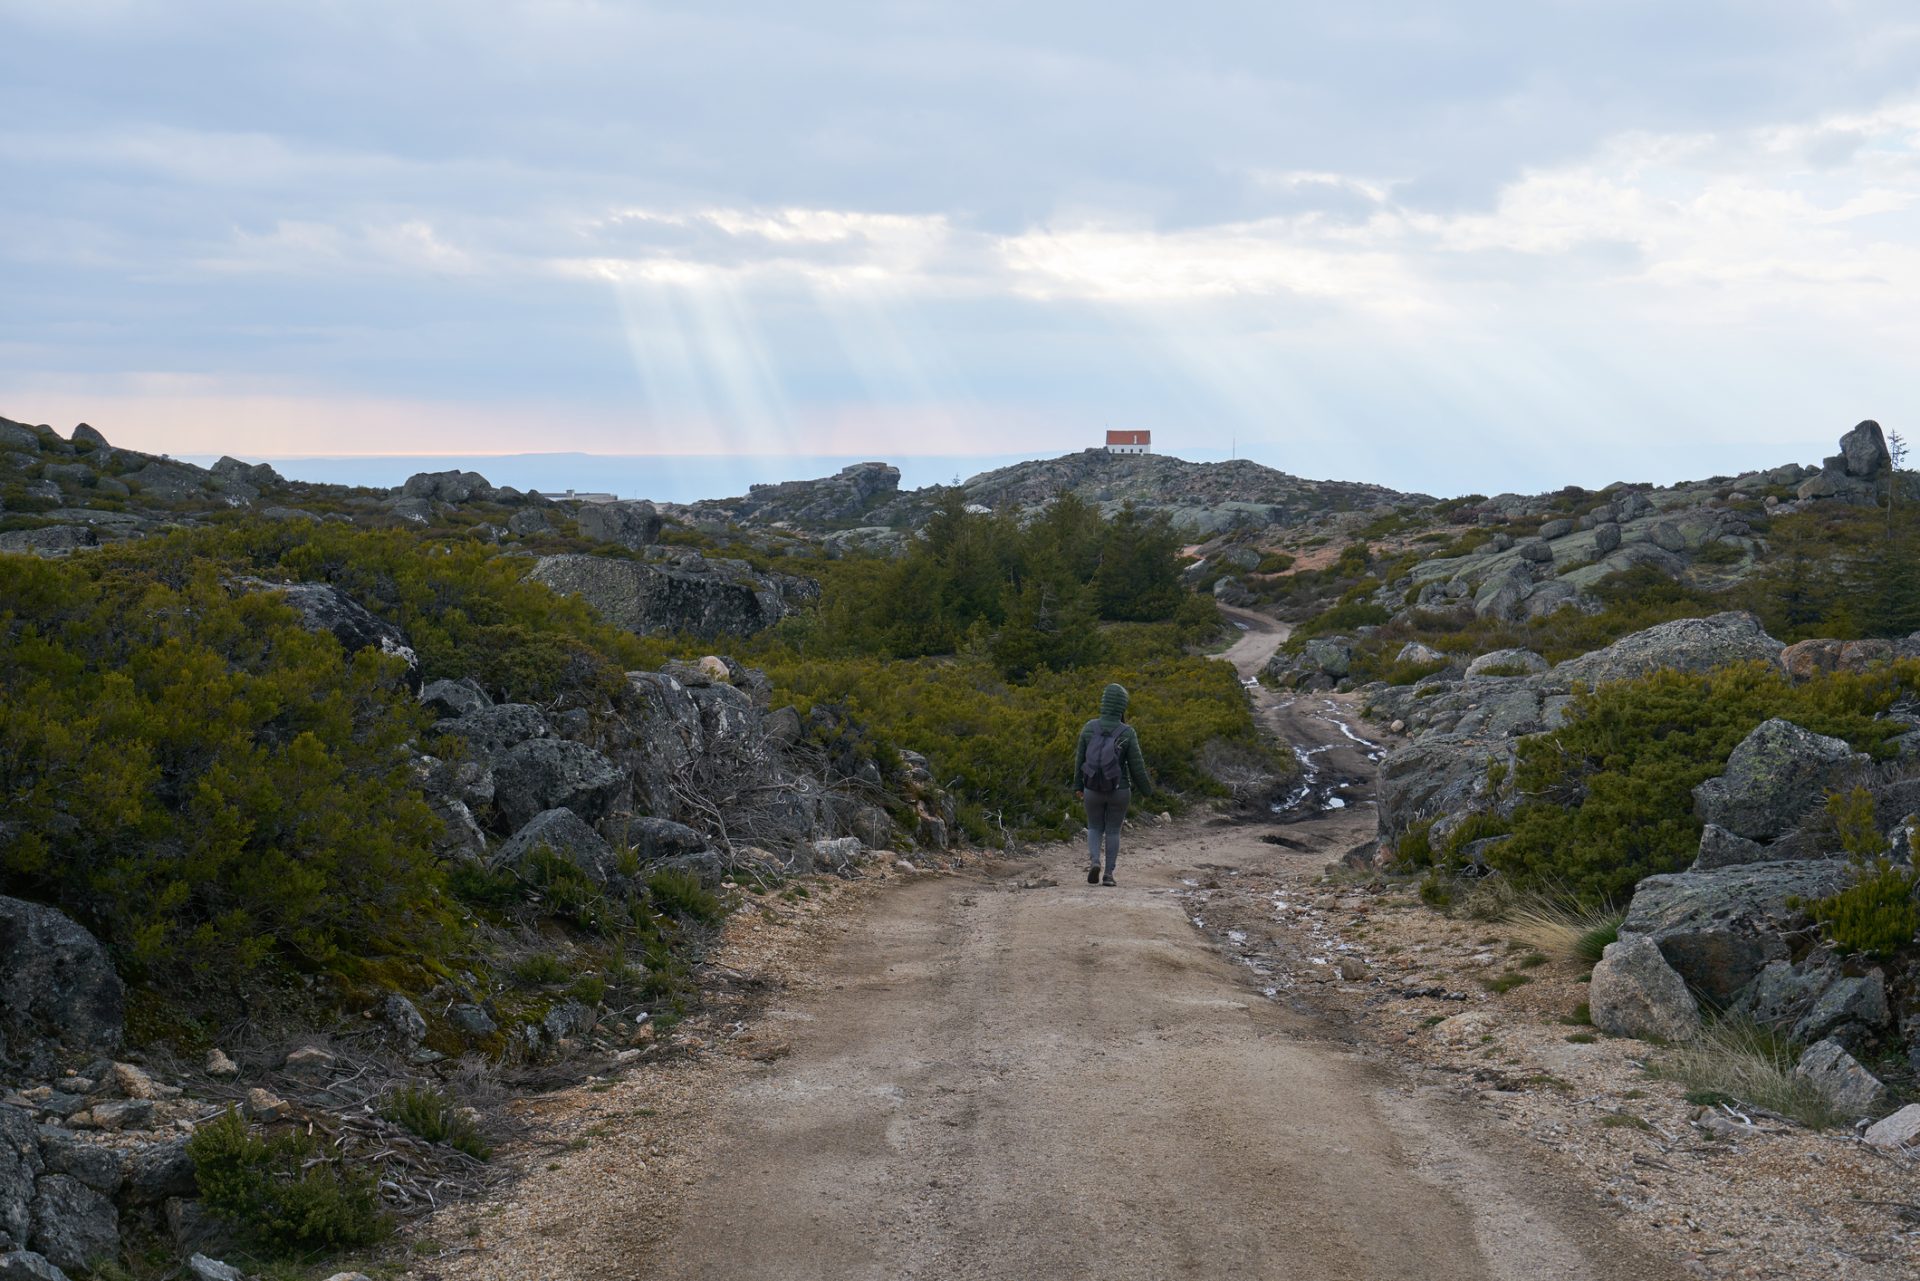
{"x": 1013, "y": 1074}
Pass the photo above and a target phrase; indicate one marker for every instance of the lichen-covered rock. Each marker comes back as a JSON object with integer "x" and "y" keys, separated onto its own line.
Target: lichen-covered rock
{"x": 1783, "y": 991}
{"x": 447, "y": 487}
{"x": 1721, "y": 848}
{"x": 1775, "y": 775}
{"x": 1506, "y": 662}
{"x": 564, "y": 833}
{"x": 20, "y": 1165}
{"x": 488, "y": 731}
{"x": 554, "y": 773}
{"x": 325, "y": 608}
{"x": 1718, "y": 929}
{"x": 403, "y": 1019}
{"x": 97, "y": 1165}
{"x": 73, "y": 1226}
{"x": 1634, "y": 992}
{"x": 690, "y": 594}
{"x": 1849, "y": 1010}
{"x": 1685, "y": 645}
{"x": 25, "y": 1265}
{"x": 632, "y": 525}
{"x": 447, "y": 698}
{"x": 1839, "y": 1076}
{"x": 60, "y": 993}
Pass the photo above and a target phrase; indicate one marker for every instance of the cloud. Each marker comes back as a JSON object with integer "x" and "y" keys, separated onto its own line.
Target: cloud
{"x": 1360, "y": 237}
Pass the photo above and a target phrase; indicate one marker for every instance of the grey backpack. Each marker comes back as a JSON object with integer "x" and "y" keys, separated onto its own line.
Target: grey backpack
{"x": 1102, "y": 770}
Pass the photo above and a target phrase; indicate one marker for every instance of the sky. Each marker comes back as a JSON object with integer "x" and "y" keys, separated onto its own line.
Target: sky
{"x": 1445, "y": 245}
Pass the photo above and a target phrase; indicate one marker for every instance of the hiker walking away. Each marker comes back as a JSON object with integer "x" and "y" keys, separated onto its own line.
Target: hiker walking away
{"x": 1107, "y": 769}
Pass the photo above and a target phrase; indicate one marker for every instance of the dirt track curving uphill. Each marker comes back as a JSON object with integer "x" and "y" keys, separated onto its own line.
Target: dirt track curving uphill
{"x": 1064, "y": 1081}
{"x": 1016, "y": 1075}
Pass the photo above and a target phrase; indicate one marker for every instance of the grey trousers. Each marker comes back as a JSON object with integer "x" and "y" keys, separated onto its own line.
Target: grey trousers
{"x": 1104, "y": 812}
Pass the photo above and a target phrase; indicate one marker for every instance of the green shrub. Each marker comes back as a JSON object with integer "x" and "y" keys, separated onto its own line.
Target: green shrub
{"x": 1274, "y": 563}
{"x": 681, "y": 894}
{"x": 542, "y": 969}
{"x": 199, "y": 778}
{"x": 1503, "y": 669}
{"x": 1855, "y": 824}
{"x": 1343, "y": 618}
{"x": 289, "y": 1193}
{"x": 1414, "y": 849}
{"x": 1878, "y": 915}
{"x": 429, "y": 1113}
{"x": 1611, "y": 791}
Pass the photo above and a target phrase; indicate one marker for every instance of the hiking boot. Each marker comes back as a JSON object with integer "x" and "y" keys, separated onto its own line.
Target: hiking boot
{"x": 1108, "y": 879}
{"x": 1093, "y": 876}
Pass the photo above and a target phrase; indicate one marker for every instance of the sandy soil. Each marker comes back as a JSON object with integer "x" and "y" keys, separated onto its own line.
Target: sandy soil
{"x": 1009, "y": 1073}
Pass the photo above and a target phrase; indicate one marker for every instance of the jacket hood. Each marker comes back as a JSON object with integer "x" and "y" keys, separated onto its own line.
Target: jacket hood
{"x": 1113, "y": 700}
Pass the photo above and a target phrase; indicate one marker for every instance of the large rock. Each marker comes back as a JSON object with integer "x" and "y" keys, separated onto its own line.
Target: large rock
{"x": 1634, "y": 992}
{"x": 1506, "y": 662}
{"x": 633, "y": 525}
{"x": 60, "y": 992}
{"x": 1775, "y": 775}
{"x": 554, "y": 773}
{"x": 447, "y": 487}
{"x": 843, "y": 499}
{"x": 20, "y": 1165}
{"x": 325, "y": 608}
{"x": 564, "y": 833}
{"x": 1685, "y": 645}
{"x": 73, "y": 1226}
{"x": 1718, "y": 929}
{"x": 1839, "y": 1076}
{"x": 655, "y": 839}
{"x": 1850, "y": 1010}
{"x": 97, "y": 1165}
{"x": 492, "y": 730}
{"x": 1863, "y": 451}
{"x": 25, "y": 1265}
{"x": 1440, "y": 775}
{"x": 1784, "y": 991}
{"x": 690, "y": 595}
{"x": 258, "y": 475}
{"x": 1810, "y": 658}
{"x": 1721, "y": 848}
{"x": 448, "y": 699}
{"x": 49, "y": 540}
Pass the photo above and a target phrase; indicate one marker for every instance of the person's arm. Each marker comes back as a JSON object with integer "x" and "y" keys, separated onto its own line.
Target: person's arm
{"x": 1079, "y": 761}
{"x": 1137, "y": 764}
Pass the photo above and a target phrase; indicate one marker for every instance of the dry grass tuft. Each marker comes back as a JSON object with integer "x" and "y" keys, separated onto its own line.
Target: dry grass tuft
{"x": 1750, "y": 1064}
{"x": 1571, "y": 935}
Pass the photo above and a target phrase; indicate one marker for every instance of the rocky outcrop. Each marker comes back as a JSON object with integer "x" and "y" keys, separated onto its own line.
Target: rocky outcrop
{"x": 553, "y": 773}
{"x": 1776, "y": 774}
{"x": 61, "y": 993}
{"x": 632, "y": 525}
{"x": 1206, "y": 498}
{"x": 1719, "y": 929}
{"x": 840, "y": 501}
{"x": 448, "y": 487}
{"x": 1684, "y": 645}
{"x": 687, "y": 594}
{"x": 1857, "y": 472}
{"x": 1634, "y": 992}
{"x": 325, "y": 608}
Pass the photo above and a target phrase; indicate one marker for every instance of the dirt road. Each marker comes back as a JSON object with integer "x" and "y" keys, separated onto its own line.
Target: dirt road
{"x": 1019, "y": 1075}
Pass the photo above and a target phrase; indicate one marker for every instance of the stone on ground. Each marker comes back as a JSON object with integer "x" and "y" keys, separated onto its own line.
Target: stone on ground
{"x": 1634, "y": 992}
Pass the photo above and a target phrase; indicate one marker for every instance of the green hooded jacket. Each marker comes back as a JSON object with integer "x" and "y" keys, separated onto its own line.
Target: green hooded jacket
{"x": 1113, "y": 709}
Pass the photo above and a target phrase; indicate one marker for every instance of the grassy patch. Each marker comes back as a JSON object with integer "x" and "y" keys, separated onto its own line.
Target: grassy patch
{"x": 430, "y": 1114}
{"x": 1504, "y": 983}
{"x": 1742, "y": 1061}
{"x": 1563, "y": 932}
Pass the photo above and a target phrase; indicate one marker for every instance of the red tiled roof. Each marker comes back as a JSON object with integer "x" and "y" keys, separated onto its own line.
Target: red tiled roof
{"x": 1129, "y": 438}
